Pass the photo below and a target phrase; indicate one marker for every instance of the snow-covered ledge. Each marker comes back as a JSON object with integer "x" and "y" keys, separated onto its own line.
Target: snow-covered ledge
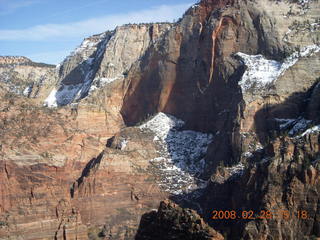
{"x": 262, "y": 72}
{"x": 181, "y": 155}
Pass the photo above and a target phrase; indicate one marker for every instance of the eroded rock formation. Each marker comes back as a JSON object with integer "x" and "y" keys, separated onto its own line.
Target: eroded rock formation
{"x": 172, "y": 222}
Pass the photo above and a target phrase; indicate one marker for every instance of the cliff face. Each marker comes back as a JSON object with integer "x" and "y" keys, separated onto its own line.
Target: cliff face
{"x": 95, "y": 71}
{"x": 195, "y": 59}
{"x": 218, "y": 111}
{"x": 233, "y": 69}
{"x": 40, "y": 156}
{"x": 194, "y": 75}
{"x": 57, "y": 179}
{"x": 102, "y": 59}
{"x": 19, "y": 75}
{"x": 58, "y": 145}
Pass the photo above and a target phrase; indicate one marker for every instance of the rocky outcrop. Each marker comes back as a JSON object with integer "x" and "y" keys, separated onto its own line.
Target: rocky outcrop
{"x": 37, "y": 138}
{"x": 19, "y": 75}
{"x": 279, "y": 173}
{"x": 283, "y": 180}
{"x": 173, "y": 222}
{"x": 136, "y": 170}
{"x": 8, "y": 60}
{"x": 127, "y": 45}
{"x": 192, "y": 72}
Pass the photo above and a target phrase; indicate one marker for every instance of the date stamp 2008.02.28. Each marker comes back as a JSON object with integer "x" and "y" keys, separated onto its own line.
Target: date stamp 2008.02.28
{"x": 253, "y": 215}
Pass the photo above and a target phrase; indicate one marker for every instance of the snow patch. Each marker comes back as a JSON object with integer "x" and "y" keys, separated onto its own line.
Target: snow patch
{"x": 236, "y": 170}
{"x": 58, "y": 67}
{"x": 299, "y": 126}
{"x": 247, "y": 154}
{"x": 294, "y": 126}
{"x": 265, "y": 160}
{"x": 293, "y": 59}
{"x": 100, "y": 82}
{"x": 90, "y": 61}
{"x": 85, "y": 88}
{"x": 182, "y": 153}
{"x": 86, "y": 45}
{"x": 314, "y": 129}
{"x": 26, "y": 92}
{"x": 195, "y": 6}
{"x": 51, "y": 100}
{"x": 88, "y": 51}
{"x": 303, "y": 2}
{"x": 63, "y": 96}
{"x": 123, "y": 144}
{"x": 262, "y": 72}
{"x": 162, "y": 124}
{"x": 285, "y": 123}
{"x": 107, "y": 80}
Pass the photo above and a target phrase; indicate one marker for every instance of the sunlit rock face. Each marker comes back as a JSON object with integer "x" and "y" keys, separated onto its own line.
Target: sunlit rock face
{"x": 21, "y": 76}
{"x": 102, "y": 59}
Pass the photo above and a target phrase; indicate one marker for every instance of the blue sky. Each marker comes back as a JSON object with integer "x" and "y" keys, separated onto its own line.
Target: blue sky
{"x": 48, "y": 30}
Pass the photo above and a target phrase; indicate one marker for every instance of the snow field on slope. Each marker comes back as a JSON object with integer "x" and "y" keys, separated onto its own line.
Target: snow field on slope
{"x": 261, "y": 72}
{"x": 63, "y": 96}
{"x": 67, "y": 94}
{"x": 311, "y": 130}
{"x": 182, "y": 153}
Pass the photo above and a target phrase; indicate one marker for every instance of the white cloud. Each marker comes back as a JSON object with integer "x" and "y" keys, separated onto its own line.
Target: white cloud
{"x": 78, "y": 7}
{"x": 9, "y": 6}
{"x": 94, "y": 25}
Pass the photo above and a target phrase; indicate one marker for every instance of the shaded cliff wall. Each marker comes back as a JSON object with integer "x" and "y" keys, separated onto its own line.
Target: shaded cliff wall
{"x": 191, "y": 73}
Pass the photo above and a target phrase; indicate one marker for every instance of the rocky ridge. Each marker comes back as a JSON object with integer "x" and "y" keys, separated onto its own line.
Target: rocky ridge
{"x": 5, "y": 60}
